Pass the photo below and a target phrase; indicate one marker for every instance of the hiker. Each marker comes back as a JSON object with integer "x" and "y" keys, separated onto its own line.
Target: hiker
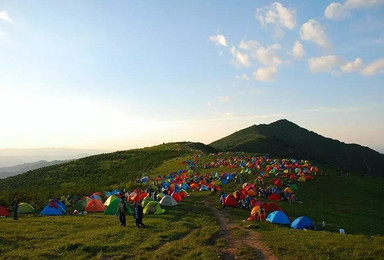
{"x": 15, "y": 206}
{"x": 138, "y": 214}
{"x": 261, "y": 213}
{"x": 122, "y": 212}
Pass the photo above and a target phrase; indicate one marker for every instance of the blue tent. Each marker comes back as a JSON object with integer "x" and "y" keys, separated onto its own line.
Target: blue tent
{"x": 203, "y": 188}
{"x": 184, "y": 186}
{"x": 278, "y": 217}
{"x": 53, "y": 209}
{"x": 303, "y": 222}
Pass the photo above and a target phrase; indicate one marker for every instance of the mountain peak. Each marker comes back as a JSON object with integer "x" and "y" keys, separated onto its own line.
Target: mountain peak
{"x": 284, "y": 138}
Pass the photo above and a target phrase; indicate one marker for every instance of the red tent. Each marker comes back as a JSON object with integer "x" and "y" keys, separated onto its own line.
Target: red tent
{"x": 95, "y": 206}
{"x": 277, "y": 182}
{"x": 231, "y": 201}
{"x": 3, "y": 211}
{"x": 270, "y": 207}
{"x": 177, "y": 197}
{"x": 274, "y": 196}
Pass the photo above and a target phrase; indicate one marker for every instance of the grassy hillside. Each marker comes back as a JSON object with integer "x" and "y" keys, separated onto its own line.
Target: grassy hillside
{"x": 286, "y": 139}
{"x": 90, "y": 174}
{"x": 191, "y": 230}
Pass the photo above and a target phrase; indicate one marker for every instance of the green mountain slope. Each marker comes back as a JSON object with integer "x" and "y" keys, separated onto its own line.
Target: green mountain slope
{"x": 286, "y": 139}
{"x": 98, "y": 172}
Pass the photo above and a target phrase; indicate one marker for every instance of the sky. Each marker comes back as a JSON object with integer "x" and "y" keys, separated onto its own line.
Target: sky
{"x": 116, "y": 75}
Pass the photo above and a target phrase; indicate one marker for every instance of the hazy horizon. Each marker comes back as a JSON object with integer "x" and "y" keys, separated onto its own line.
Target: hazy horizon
{"x": 97, "y": 75}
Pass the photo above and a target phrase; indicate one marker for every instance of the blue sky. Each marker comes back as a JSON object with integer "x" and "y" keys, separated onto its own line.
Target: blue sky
{"x": 126, "y": 74}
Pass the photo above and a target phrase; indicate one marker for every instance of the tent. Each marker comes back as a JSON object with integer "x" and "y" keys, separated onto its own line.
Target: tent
{"x": 134, "y": 197}
{"x": 204, "y": 188}
{"x": 177, "y": 197}
{"x": 301, "y": 179}
{"x": 53, "y": 209}
{"x": 231, "y": 201}
{"x": 277, "y": 182}
{"x": 270, "y": 207}
{"x": 95, "y": 206}
{"x": 168, "y": 201}
{"x": 183, "y": 193}
{"x": 274, "y": 196}
{"x": 251, "y": 192}
{"x": 153, "y": 207}
{"x": 278, "y": 217}
{"x": 112, "y": 208}
{"x": 3, "y": 211}
{"x": 96, "y": 197}
{"x": 303, "y": 222}
{"x": 25, "y": 208}
{"x": 80, "y": 205}
{"x": 109, "y": 200}
{"x": 145, "y": 201}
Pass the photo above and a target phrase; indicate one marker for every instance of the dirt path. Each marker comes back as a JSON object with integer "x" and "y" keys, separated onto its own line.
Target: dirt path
{"x": 249, "y": 239}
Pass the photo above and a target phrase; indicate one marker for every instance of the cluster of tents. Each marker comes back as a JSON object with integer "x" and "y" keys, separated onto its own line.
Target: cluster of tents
{"x": 175, "y": 185}
{"x": 23, "y": 208}
{"x": 264, "y": 166}
{"x": 110, "y": 205}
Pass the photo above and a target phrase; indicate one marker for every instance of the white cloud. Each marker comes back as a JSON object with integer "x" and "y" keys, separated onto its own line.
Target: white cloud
{"x": 355, "y": 4}
{"x": 265, "y": 74}
{"x": 336, "y": 11}
{"x": 277, "y": 15}
{"x": 241, "y": 59}
{"x": 224, "y": 99}
{"x": 266, "y": 55}
{"x": 4, "y": 16}
{"x": 355, "y": 65}
{"x": 208, "y": 104}
{"x": 374, "y": 68}
{"x": 298, "y": 51}
{"x": 313, "y": 31}
{"x": 242, "y": 76}
{"x": 218, "y": 39}
{"x": 324, "y": 63}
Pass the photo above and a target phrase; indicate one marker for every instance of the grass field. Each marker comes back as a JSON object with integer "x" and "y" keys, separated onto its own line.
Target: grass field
{"x": 191, "y": 230}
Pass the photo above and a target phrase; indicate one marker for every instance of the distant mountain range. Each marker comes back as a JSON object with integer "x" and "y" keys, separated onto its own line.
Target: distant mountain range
{"x": 286, "y": 139}
{"x": 12, "y": 157}
{"x": 21, "y": 168}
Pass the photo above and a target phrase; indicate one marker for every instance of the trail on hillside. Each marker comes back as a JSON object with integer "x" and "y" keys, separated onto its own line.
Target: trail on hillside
{"x": 249, "y": 239}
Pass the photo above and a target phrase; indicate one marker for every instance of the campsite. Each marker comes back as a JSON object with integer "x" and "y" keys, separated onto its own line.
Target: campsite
{"x": 198, "y": 226}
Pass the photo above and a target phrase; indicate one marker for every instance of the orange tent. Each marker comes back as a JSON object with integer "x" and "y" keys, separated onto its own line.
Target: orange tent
{"x": 95, "y": 206}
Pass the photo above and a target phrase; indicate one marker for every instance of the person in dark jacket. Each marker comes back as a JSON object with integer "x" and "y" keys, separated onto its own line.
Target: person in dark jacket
{"x": 15, "y": 206}
{"x": 138, "y": 215}
{"x": 122, "y": 212}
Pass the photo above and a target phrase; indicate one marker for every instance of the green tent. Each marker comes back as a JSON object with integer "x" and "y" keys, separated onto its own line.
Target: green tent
{"x": 145, "y": 201}
{"x": 24, "y": 208}
{"x": 109, "y": 200}
{"x": 80, "y": 205}
{"x": 153, "y": 207}
{"x": 112, "y": 208}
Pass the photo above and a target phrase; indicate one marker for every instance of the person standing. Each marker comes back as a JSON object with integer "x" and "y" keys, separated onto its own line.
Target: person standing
{"x": 122, "y": 212}
{"x": 15, "y": 206}
{"x": 138, "y": 215}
